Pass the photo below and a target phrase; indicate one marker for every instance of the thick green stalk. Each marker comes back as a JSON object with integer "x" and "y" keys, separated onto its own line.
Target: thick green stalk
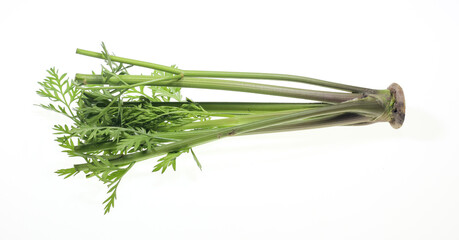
{"x": 274, "y": 76}
{"x": 244, "y": 107}
{"x": 208, "y": 83}
{"x": 369, "y": 104}
{"x": 223, "y": 74}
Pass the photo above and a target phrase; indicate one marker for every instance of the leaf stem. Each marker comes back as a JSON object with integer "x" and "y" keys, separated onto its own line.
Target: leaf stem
{"x": 225, "y": 74}
{"x": 130, "y": 61}
{"x": 229, "y": 85}
{"x": 243, "y": 107}
{"x": 128, "y": 86}
{"x": 274, "y": 76}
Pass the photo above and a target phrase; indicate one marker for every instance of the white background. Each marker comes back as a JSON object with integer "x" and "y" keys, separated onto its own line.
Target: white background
{"x": 370, "y": 182}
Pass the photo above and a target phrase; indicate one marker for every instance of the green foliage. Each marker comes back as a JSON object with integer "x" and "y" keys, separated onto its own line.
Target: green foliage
{"x": 61, "y": 90}
{"x": 170, "y": 160}
{"x": 162, "y": 93}
{"x": 113, "y": 179}
{"x": 167, "y": 161}
{"x": 110, "y": 123}
{"x": 137, "y": 142}
{"x": 196, "y": 159}
{"x": 68, "y": 172}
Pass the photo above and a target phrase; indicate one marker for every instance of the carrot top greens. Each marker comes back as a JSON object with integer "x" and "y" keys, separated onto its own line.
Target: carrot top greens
{"x": 120, "y": 119}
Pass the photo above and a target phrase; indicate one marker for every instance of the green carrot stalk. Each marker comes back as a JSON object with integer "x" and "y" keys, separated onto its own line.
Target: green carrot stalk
{"x": 246, "y": 107}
